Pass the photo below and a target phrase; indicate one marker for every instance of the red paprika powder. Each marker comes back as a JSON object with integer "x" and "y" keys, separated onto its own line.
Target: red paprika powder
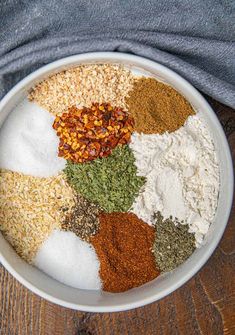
{"x": 124, "y": 247}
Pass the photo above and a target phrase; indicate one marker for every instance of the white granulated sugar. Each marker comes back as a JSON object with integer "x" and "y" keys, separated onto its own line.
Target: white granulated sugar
{"x": 28, "y": 143}
{"x": 68, "y": 259}
{"x": 182, "y": 176}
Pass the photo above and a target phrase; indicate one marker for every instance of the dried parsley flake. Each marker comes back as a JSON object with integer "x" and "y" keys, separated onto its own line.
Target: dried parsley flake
{"x": 110, "y": 182}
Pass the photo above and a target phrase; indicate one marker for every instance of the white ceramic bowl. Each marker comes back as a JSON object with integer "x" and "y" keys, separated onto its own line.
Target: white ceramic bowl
{"x": 93, "y": 301}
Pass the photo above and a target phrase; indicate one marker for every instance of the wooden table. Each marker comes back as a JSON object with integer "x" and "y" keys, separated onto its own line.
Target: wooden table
{"x": 205, "y": 305}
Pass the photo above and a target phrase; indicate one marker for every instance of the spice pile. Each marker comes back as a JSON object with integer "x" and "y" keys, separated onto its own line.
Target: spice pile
{"x": 89, "y": 133}
{"x": 31, "y": 207}
{"x": 28, "y": 143}
{"x": 156, "y": 107}
{"x": 173, "y": 245}
{"x": 110, "y": 182}
{"x": 123, "y": 245}
{"x": 107, "y": 179}
{"x": 182, "y": 176}
{"x": 82, "y": 86}
{"x": 82, "y": 219}
{"x": 67, "y": 258}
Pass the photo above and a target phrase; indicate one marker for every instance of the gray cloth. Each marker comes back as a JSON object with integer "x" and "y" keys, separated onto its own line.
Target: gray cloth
{"x": 194, "y": 38}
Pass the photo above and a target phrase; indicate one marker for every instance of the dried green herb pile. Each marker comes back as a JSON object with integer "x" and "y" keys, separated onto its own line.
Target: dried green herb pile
{"x": 83, "y": 219}
{"x": 109, "y": 182}
{"x": 173, "y": 243}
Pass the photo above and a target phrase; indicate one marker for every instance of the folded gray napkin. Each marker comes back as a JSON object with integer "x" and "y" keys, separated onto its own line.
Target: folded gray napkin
{"x": 194, "y": 38}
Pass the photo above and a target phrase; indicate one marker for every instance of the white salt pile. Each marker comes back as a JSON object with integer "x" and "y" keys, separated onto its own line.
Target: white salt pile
{"x": 67, "y": 258}
{"x": 28, "y": 143}
{"x": 182, "y": 176}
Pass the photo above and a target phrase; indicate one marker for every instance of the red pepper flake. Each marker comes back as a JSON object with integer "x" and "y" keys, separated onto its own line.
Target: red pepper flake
{"x": 88, "y": 133}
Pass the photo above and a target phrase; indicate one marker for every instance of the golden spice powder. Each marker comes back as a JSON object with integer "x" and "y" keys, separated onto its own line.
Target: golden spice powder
{"x": 157, "y": 107}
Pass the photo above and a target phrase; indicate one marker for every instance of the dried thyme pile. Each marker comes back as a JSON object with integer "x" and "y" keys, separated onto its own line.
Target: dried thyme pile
{"x": 173, "y": 243}
{"x": 83, "y": 219}
{"x": 109, "y": 182}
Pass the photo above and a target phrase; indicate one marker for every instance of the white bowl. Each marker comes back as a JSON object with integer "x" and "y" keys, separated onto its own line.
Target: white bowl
{"x": 94, "y": 301}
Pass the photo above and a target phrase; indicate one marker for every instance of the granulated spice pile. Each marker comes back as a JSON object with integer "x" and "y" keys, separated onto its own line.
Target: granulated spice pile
{"x": 124, "y": 247}
{"x": 173, "y": 243}
{"x": 157, "y": 107}
{"x": 82, "y": 219}
{"x": 30, "y": 208}
{"x": 83, "y": 85}
{"x": 88, "y": 133}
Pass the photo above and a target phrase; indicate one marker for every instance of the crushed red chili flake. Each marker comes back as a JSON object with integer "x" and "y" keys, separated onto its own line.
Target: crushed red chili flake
{"x": 88, "y": 133}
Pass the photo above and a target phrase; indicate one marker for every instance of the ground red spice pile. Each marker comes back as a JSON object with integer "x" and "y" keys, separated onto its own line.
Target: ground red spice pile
{"x": 88, "y": 133}
{"x": 124, "y": 246}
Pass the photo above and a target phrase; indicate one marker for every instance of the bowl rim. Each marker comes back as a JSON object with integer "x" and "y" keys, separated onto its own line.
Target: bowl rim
{"x": 122, "y": 57}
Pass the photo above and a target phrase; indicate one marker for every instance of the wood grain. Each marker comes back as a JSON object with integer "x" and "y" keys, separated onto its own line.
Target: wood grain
{"x": 205, "y": 305}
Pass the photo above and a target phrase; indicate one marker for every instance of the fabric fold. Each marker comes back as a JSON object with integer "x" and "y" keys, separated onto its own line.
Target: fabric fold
{"x": 195, "y": 39}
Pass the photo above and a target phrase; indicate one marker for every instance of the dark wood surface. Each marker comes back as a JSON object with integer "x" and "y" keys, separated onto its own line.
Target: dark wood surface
{"x": 205, "y": 305}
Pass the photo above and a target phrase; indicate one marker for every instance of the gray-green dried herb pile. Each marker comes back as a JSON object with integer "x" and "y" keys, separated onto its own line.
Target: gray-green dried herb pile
{"x": 83, "y": 219}
{"x": 110, "y": 182}
{"x": 173, "y": 243}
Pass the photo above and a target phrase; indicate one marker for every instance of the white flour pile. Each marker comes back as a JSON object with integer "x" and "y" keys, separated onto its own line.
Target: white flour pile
{"x": 182, "y": 176}
{"x": 28, "y": 143}
{"x": 67, "y": 258}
